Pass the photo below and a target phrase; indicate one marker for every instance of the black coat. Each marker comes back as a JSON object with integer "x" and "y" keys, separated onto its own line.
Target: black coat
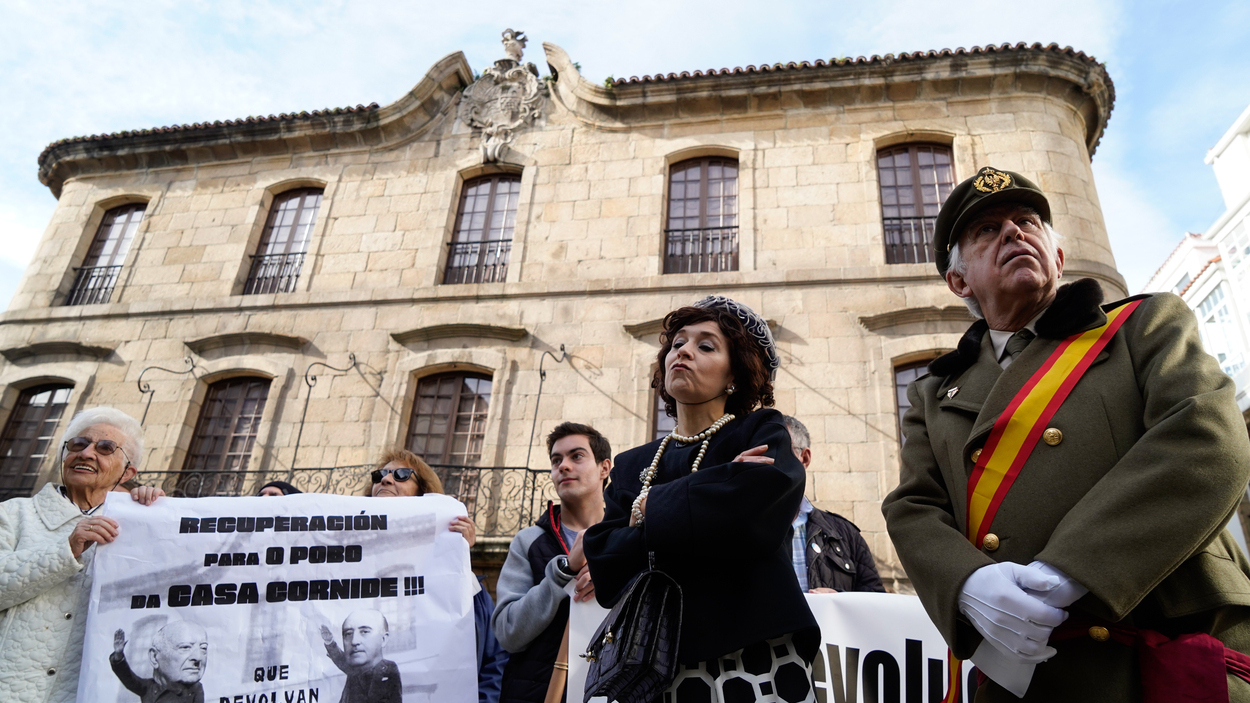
{"x": 723, "y": 533}
{"x": 837, "y": 556}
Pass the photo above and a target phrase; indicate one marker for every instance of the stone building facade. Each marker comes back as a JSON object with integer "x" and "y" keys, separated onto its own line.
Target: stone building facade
{"x": 439, "y": 247}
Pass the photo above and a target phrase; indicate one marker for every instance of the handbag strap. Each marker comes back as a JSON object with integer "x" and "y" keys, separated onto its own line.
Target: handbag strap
{"x": 651, "y": 561}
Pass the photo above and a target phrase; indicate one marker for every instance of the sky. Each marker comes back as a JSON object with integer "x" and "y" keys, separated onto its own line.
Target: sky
{"x": 1181, "y": 72}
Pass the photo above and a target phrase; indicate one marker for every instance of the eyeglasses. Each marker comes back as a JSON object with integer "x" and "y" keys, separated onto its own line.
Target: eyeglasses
{"x": 400, "y": 474}
{"x": 102, "y": 446}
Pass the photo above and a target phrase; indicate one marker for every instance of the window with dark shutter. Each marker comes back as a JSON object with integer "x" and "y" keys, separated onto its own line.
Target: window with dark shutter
{"x": 221, "y": 449}
{"x": 30, "y": 436}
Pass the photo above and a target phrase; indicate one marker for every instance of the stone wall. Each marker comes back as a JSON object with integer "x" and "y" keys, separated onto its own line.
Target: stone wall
{"x": 586, "y": 263}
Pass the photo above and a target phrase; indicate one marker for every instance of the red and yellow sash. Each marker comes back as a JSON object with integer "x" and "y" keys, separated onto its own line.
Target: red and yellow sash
{"x": 1017, "y": 431}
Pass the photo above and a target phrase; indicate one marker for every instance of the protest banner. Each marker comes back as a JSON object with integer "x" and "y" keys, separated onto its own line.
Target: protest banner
{"x": 301, "y": 599}
{"x": 875, "y": 648}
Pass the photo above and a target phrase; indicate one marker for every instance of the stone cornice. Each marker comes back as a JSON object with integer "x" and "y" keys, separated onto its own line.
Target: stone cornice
{"x": 235, "y": 343}
{"x": 325, "y": 130}
{"x": 1062, "y": 74}
{"x": 426, "y": 334}
{"x": 642, "y": 330}
{"x": 892, "y": 322}
{"x": 56, "y": 348}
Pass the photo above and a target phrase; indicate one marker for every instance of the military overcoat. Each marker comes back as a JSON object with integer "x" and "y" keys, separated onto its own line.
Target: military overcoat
{"x": 1131, "y": 501}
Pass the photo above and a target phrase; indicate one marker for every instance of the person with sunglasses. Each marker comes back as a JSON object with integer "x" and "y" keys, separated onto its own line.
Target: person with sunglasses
{"x": 400, "y": 473}
{"x": 45, "y": 555}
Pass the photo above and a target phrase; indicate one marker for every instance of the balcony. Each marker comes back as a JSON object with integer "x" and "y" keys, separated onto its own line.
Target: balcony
{"x": 500, "y": 500}
{"x": 909, "y": 240}
{"x": 478, "y": 262}
{"x": 274, "y": 273}
{"x": 701, "y": 250}
{"x": 93, "y": 285}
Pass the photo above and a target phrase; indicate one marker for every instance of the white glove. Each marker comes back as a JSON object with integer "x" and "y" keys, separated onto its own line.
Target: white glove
{"x": 1016, "y": 622}
{"x": 1066, "y": 593}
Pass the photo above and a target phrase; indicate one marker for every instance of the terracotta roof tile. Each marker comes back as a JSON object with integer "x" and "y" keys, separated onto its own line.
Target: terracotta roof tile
{"x": 875, "y": 59}
{"x": 282, "y": 117}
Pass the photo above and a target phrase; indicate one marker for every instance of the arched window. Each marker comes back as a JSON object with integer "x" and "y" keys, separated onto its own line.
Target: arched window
{"x": 482, "y": 241}
{"x": 702, "y": 230}
{"x": 95, "y": 279}
{"x": 220, "y": 455}
{"x": 280, "y": 256}
{"x": 449, "y": 419}
{"x": 903, "y": 375}
{"x": 915, "y": 180}
{"x": 30, "y": 436}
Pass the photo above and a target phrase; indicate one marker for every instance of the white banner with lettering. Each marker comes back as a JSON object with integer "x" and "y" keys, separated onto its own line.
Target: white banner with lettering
{"x": 303, "y": 598}
{"x": 876, "y": 647}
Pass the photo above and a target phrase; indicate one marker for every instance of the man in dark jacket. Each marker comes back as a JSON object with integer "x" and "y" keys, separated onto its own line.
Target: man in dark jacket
{"x": 533, "y": 607}
{"x": 830, "y": 556}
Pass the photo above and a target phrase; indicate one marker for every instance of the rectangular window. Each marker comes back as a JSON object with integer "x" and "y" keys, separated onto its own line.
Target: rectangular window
{"x": 702, "y": 230}
{"x": 482, "y": 242}
{"x": 29, "y": 437}
{"x": 915, "y": 180}
{"x": 95, "y": 279}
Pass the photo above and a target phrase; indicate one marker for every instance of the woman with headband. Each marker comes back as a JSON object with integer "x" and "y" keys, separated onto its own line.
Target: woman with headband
{"x": 713, "y": 502}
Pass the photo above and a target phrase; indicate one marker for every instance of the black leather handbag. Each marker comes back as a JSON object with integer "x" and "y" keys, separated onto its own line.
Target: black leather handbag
{"x": 633, "y": 654}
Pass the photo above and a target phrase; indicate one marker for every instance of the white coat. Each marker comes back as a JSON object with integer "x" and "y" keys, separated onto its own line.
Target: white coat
{"x": 43, "y": 598}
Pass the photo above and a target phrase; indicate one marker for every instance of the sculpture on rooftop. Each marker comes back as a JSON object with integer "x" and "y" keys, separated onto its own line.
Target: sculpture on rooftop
{"x": 506, "y": 97}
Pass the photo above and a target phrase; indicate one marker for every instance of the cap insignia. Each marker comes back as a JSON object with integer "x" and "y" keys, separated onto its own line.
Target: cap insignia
{"x": 991, "y": 181}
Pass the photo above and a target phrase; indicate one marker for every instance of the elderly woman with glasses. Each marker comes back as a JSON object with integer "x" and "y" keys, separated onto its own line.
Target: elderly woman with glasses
{"x": 400, "y": 473}
{"x": 45, "y": 552}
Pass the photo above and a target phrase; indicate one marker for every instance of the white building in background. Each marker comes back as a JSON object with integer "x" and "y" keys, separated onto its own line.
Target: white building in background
{"x": 1211, "y": 272}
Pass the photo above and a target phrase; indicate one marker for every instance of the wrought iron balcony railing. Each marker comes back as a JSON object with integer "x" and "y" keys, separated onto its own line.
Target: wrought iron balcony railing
{"x": 93, "y": 285}
{"x": 478, "y": 262}
{"x": 909, "y": 240}
{"x": 501, "y": 500}
{"x": 273, "y": 273}
{"x": 701, "y": 250}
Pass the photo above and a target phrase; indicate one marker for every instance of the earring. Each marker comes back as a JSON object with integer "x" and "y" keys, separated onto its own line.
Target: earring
{"x": 730, "y": 390}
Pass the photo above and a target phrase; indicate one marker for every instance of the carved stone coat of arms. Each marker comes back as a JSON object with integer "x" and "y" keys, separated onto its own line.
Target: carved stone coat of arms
{"x": 504, "y": 99}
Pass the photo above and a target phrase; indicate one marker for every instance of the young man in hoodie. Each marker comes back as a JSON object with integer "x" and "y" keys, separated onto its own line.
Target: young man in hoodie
{"x": 533, "y": 607}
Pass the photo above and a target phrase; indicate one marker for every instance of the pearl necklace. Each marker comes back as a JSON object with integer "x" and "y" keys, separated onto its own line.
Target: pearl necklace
{"x": 648, "y": 474}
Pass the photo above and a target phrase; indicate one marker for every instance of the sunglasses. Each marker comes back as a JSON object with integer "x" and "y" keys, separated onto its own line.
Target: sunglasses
{"x": 102, "y": 446}
{"x": 400, "y": 474}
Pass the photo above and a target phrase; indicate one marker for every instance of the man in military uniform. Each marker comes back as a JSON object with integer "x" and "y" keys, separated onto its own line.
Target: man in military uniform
{"x": 1091, "y": 565}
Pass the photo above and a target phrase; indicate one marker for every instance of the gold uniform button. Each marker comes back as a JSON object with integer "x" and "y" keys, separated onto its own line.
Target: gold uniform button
{"x": 1052, "y": 436}
{"x": 1098, "y": 633}
{"x": 990, "y": 543}
{"x": 976, "y": 454}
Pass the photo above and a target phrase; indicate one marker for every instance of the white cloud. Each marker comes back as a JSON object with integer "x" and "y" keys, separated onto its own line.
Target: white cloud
{"x": 1141, "y": 234}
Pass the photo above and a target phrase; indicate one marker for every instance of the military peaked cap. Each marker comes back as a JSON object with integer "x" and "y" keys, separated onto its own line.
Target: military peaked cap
{"x": 989, "y": 187}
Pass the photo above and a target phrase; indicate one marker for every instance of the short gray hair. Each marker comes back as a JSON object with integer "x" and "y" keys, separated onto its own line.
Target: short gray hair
{"x": 130, "y": 428}
{"x": 800, "y": 438}
{"x": 957, "y": 264}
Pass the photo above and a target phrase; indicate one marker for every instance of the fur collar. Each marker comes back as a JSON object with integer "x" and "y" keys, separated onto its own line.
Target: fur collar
{"x": 1077, "y": 307}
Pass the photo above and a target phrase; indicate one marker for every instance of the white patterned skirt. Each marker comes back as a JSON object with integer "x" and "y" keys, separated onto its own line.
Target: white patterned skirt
{"x": 772, "y": 671}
